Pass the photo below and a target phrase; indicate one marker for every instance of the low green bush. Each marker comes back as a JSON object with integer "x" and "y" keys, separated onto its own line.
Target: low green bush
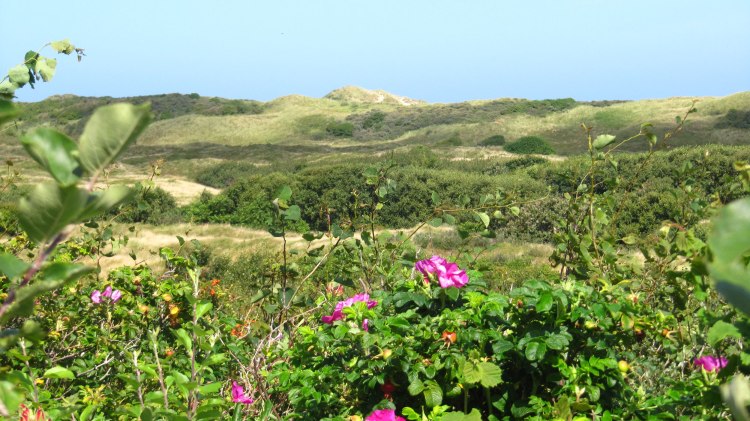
{"x": 530, "y": 145}
{"x": 495, "y": 140}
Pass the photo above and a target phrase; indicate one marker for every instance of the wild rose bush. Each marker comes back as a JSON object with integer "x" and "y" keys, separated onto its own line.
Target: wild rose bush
{"x": 542, "y": 351}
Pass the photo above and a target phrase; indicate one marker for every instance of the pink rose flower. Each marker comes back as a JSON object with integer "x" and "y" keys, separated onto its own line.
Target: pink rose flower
{"x": 384, "y": 415}
{"x": 107, "y": 291}
{"x": 96, "y": 296}
{"x": 238, "y": 394}
{"x": 710, "y": 363}
{"x": 338, "y": 311}
{"x": 447, "y": 273}
{"x": 366, "y": 325}
{"x": 116, "y": 295}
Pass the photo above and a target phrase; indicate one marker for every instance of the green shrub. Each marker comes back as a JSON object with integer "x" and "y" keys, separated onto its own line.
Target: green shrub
{"x": 734, "y": 119}
{"x": 496, "y": 140}
{"x": 340, "y": 129}
{"x": 154, "y": 206}
{"x": 530, "y": 145}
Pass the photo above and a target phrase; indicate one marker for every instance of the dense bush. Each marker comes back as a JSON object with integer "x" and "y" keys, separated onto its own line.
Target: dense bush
{"x": 734, "y": 119}
{"x": 495, "y": 140}
{"x": 152, "y": 206}
{"x": 530, "y": 145}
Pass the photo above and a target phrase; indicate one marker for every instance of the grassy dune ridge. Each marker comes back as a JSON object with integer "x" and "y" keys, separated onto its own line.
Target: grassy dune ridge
{"x": 192, "y": 132}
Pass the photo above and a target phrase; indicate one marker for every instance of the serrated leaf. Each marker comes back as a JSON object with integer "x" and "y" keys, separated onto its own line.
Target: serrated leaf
{"x": 416, "y": 387}
{"x": 491, "y": 375}
{"x": 46, "y": 68}
{"x": 49, "y": 208}
{"x": 58, "y": 372}
{"x": 109, "y": 131}
{"x": 436, "y": 222}
{"x": 471, "y": 373}
{"x": 11, "y": 266}
{"x": 55, "y": 152}
{"x": 720, "y": 331}
{"x": 435, "y": 198}
{"x": 515, "y": 210}
{"x": 603, "y": 140}
{"x": 449, "y": 219}
{"x": 19, "y": 75}
{"x": 433, "y": 394}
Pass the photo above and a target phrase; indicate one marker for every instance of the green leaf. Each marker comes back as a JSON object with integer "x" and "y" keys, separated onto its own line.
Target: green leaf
{"x": 484, "y": 218}
{"x": 64, "y": 272}
{"x": 184, "y": 339}
{"x": 492, "y": 375}
{"x": 202, "y": 308}
{"x": 284, "y": 193}
{"x": 449, "y": 219}
{"x": 556, "y": 342}
{"x": 293, "y": 213}
{"x": 58, "y": 372}
{"x": 7, "y": 89}
{"x": 736, "y": 394}
{"x": 730, "y": 244}
{"x": 49, "y": 208}
{"x": 46, "y": 68}
{"x": 603, "y": 140}
{"x": 8, "y": 111}
{"x": 102, "y": 201}
{"x": 215, "y": 359}
{"x": 63, "y": 46}
{"x": 474, "y": 415}
{"x": 55, "y": 152}
{"x": 545, "y": 303}
{"x": 435, "y": 198}
{"x": 19, "y": 75}
{"x": 25, "y": 296}
{"x": 11, "y": 266}
{"x": 209, "y": 388}
{"x": 87, "y": 413}
{"x": 109, "y": 131}
{"x": 515, "y": 210}
{"x": 433, "y": 394}
{"x": 436, "y": 222}
{"x": 720, "y": 331}
{"x": 535, "y": 351}
{"x": 485, "y": 373}
{"x": 415, "y": 387}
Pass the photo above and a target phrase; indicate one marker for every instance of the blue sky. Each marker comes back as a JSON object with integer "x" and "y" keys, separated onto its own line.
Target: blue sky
{"x": 436, "y": 50}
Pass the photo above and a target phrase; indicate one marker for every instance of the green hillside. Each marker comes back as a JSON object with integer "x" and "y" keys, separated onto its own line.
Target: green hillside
{"x": 353, "y": 122}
